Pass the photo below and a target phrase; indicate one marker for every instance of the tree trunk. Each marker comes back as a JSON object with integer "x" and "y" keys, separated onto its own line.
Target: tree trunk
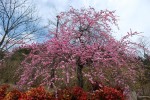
{"x": 80, "y": 76}
{"x": 52, "y": 76}
{"x": 3, "y": 38}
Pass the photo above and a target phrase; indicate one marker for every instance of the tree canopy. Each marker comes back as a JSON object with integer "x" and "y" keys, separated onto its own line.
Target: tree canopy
{"x": 83, "y": 40}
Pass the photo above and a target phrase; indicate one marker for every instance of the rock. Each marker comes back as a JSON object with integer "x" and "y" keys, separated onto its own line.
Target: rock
{"x": 143, "y": 98}
{"x": 133, "y": 95}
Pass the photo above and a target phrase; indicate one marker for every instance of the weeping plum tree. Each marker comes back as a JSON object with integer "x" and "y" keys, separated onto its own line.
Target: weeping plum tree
{"x": 83, "y": 39}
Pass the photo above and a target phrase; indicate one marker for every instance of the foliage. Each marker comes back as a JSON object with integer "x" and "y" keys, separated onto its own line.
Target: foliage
{"x": 20, "y": 53}
{"x": 3, "y": 90}
{"x": 65, "y": 94}
{"x": 112, "y": 94}
{"x": 79, "y": 94}
{"x": 106, "y": 93}
{"x": 74, "y": 93}
{"x": 39, "y": 93}
{"x": 13, "y": 95}
{"x": 10, "y": 64}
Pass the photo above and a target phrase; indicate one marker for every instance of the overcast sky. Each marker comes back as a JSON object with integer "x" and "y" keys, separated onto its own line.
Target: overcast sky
{"x": 133, "y": 14}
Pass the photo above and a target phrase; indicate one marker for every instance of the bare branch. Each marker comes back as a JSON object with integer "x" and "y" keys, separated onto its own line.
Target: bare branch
{"x": 17, "y": 20}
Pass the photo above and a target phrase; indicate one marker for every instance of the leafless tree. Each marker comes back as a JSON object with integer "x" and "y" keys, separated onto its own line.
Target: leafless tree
{"x": 144, "y": 78}
{"x": 145, "y": 43}
{"x": 18, "y": 23}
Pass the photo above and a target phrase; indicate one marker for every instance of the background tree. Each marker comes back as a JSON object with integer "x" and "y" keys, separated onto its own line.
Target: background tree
{"x": 10, "y": 64}
{"x": 18, "y": 23}
{"x": 144, "y": 56}
{"x": 83, "y": 41}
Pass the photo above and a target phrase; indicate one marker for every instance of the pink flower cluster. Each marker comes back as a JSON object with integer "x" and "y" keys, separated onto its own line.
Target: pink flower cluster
{"x": 84, "y": 37}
